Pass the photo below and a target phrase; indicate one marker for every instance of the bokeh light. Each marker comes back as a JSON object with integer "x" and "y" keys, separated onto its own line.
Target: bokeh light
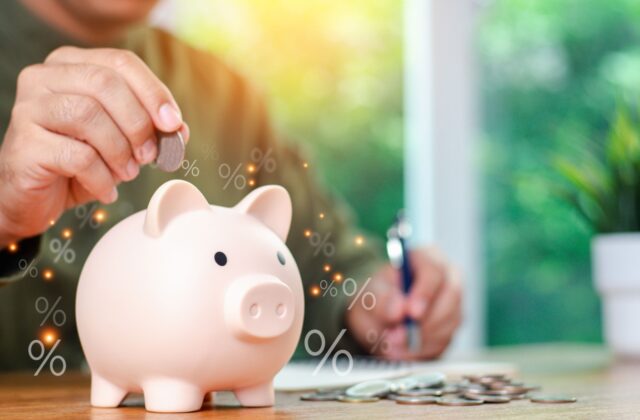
{"x": 47, "y": 274}
{"x": 48, "y": 336}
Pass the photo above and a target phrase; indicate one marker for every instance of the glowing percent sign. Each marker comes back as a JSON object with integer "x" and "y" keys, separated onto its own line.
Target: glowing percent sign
{"x": 350, "y": 288}
{"x": 42, "y": 307}
{"x": 239, "y": 180}
{"x": 263, "y": 159}
{"x": 85, "y": 214}
{"x": 336, "y": 356}
{"x": 322, "y": 244}
{"x": 28, "y": 268}
{"x": 45, "y": 358}
{"x": 62, "y": 251}
{"x": 378, "y": 341}
{"x": 190, "y": 167}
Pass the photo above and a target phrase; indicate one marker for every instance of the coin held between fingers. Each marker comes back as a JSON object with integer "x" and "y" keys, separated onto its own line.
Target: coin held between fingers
{"x": 171, "y": 149}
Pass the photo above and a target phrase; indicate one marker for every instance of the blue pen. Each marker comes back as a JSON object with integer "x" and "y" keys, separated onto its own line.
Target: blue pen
{"x": 398, "y": 253}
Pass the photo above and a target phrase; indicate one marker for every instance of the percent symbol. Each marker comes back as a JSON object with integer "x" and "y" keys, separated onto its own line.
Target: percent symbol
{"x": 378, "y": 341}
{"x": 263, "y": 159}
{"x": 46, "y": 357}
{"x": 239, "y": 180}
{"x": 360, "y": 295}
{"x": 336, "y": 355}
{"x": 86, "y": 215}
{"x": 322, "y": 244}
{"x": 42, "y": 307}
{"x": 190, "y": 168}
{"x": 328, "y": 288}
{"x": 62, "y": 251}
{"x": 28, "y": 268}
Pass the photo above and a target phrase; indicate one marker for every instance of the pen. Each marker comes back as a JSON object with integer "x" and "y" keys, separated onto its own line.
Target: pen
{"x": 397, "y": 251}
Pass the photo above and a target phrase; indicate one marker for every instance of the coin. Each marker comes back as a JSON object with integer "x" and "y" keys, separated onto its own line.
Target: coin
{"x": 405, "y": 383}
{"x": 405, "y": 400}
{"x": 420, "y": 392}
{"x": 375, "y": 388}
{"x": 321, "y": 396}
{"x": 348, "y": 399}
{"x": 458, "y": 402}
{"x": 487, "y": 398}
{"x": 170, "y": 151}
{"x": 552, "y": 399}
{"x": 429, "y": 380}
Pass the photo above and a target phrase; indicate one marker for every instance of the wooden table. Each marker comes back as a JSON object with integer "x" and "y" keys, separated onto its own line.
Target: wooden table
{"x": 605, "y": 389}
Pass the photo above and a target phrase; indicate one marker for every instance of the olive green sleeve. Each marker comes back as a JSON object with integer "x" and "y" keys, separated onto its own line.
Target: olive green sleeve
{"x": 319, "y": 217}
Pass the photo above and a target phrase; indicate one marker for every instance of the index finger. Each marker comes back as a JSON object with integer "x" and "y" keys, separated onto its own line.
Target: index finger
{"x": 152, "y": 93}
{"x": 428, "y": 277}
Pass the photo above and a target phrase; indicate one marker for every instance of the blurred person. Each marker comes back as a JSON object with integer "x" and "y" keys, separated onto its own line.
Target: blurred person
{"x": 84, "y": 85}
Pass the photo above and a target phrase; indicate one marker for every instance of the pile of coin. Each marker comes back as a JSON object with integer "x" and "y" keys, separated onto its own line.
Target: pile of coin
{"x": 433, "y": 388}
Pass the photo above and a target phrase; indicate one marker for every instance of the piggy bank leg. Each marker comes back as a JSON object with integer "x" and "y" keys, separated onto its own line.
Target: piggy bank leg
{"x": 171, "y": 396}
{"x": 261, "y": 395}
{"x": 104, "y": 393}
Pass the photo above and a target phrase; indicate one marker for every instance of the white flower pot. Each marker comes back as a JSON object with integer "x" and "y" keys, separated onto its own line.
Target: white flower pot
{"x": 616, "y": 273}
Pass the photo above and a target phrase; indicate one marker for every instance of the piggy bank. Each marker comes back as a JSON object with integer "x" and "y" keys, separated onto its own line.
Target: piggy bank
{"x": 185, "y": 298}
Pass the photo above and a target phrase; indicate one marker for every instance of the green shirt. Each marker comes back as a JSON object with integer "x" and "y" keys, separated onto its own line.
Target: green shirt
{"x": 228, "y": 120}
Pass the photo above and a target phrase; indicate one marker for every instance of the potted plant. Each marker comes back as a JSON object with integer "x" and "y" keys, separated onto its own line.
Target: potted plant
{"x": 605, "y": 190}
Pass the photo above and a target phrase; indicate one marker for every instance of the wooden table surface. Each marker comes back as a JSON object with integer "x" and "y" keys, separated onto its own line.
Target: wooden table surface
{"x": 605, "y": 388}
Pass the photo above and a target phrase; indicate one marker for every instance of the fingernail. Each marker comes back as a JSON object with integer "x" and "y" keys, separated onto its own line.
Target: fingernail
{"x": 147, "y": 153}
{"x": 170, "y": 117}
{"x": 132, "y": 169}
{"x": 186, "y": 132}
{"x": 418, "y": 307}
{"x": 113, "y": 196}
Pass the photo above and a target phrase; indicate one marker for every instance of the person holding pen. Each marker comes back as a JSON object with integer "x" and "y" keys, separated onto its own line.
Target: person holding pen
{"x": 84, "y": 85}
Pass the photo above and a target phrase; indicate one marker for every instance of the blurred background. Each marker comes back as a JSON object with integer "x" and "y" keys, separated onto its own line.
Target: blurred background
{"x": 455, "y": 110}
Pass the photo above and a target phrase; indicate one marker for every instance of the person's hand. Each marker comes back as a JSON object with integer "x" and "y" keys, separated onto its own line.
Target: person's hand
{"x": 82, "y": 122}
{"x": 434, "y": 303}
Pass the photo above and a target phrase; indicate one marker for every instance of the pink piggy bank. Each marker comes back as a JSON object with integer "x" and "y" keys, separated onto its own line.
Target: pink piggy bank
{"x": 185, "y": 298}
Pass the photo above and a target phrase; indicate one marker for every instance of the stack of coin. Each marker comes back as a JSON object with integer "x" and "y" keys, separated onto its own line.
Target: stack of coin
{"x": 433, "y": 388}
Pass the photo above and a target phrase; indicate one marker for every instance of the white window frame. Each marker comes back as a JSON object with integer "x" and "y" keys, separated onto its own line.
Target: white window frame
{"x": 441, "y": 180}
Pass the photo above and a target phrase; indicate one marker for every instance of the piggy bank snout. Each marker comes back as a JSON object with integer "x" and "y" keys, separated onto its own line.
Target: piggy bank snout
{"x": 259, "y": 307}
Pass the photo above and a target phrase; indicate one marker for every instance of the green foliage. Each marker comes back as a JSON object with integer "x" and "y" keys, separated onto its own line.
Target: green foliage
{"x": 551, "y": 72}
{"x": 331, "y": 71}
{"x": 605, "y": 189}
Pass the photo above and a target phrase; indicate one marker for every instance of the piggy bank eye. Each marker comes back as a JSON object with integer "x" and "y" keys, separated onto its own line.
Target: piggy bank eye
{"x": 221, "y": 258}
{"x": 281, "y": 258}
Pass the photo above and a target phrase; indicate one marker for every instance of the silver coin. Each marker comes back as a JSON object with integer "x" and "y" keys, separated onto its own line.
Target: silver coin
{"x": 321, "y": 396}
{"x": 423, "y": 400}
{"x": 487, "y": 398}
{"x": 170, "y": 151}
{"x": 420, "y": 392}
{"x": 429, "y": 380}
{"x": 497, "y": 392}
{"x": 348, "y": 399}
{"x": 552, "y": 399}
{"x": 405, "y": 383}
{"x": 458, "y": 402}
{"x": 375, "y": 388}
{"x": 450, "y": 389}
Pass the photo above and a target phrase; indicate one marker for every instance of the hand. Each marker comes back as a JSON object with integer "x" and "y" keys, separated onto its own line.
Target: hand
{"x": 434, "y": 303}
{"x": 83, "y": 121}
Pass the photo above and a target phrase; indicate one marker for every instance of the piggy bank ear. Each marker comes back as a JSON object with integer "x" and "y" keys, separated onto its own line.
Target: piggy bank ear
{"x": 172, "y": 199}
{"x": 271, "y": 205}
